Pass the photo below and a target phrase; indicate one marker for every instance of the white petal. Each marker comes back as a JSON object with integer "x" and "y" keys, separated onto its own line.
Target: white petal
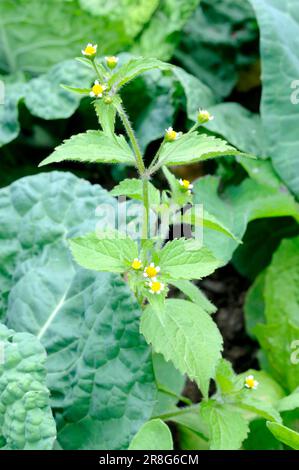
{"x": 83, "y": 52}
{"x": 190, "y": 186}
{"x": 250, "y": 377}
{"x": 152, "y": 265}
{"x": 96, "y": 82}
{"x": 157, "y": 268}
{"x": 92, "y": 94}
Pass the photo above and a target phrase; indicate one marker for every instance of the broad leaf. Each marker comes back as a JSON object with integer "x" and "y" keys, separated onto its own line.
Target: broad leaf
{"x": 286, "y": 435}
{"x": 162, "y": 34}
{"x": 186, "y": 259}
{"x": 135, "y": 67}
{"x": 92, "y": 147}
{"x": 107, "y": 251}
{"x": 26, "y": 420}
{"x": 207, "y": 220}
{"x": 239, "y": 205}
{"x": 154, "y": 435}
{"x": 228, "y": 428}
{"x": 193, "y": 293}
{"x": 133, "y": 188}
{"x": 195, "y": 147}
{"x": 279, "y": 26}
{"x": 88, "y": 322}
{"x": 186, "y": 335}
{"x": 291, "y": 402}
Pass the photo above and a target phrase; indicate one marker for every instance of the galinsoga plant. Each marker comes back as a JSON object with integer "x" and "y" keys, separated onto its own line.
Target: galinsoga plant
{"x": 182, "y": 330}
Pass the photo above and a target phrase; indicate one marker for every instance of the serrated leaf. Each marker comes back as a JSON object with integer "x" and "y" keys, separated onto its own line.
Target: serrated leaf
{"x": 133, "y": 188}
{"x": 181, "y": 259}
{"x": 154, "y": 435}
{"x": 195, "y": 295}
{"x": 26, "y": 420}
{"x": 226, "y": 379}
{"x": 284, "y": 434}
{"x": 186, "y": 335}
{"x": 207, "y": 220}
{"x": 194, "y": 147}
{"x": 106, "y": 113}
{"x": 135, "y": 67}
{"x": 111, "y": 252}
{"x": 228, "y": 428}
{"x": 92, "y": 147}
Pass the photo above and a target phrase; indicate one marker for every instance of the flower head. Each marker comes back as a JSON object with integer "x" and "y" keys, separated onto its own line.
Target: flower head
{"x": 204, "y": 116}
{"x": 151, "y": 270}
{"x": 90, "y": 50}
{"x": 250, "y": 382}
{"x": 186, "y": 185}
{"x": 136, "y": 264}
{"x": 171, "y": 135}
{"x": 111, "y": 61}
{"x": 97, "y": 90}
{"x": 156, "y": 287}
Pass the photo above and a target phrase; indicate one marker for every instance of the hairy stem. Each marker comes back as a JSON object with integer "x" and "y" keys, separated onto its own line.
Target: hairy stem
{"x": 141, "y": 169}
{"x": 137, "y": 152}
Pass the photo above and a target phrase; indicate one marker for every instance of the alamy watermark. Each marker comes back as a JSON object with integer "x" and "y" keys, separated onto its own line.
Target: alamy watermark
{"x": 125, "y": 219}
{"x": 295, "y": 94}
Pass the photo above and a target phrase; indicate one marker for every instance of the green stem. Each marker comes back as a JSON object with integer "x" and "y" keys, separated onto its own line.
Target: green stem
{"x": 179, "y": 412}
{"x": 146, "y": 215}
{"x": 141, "y": 169}
{"x": 156, "y": 157}
{"x": 133, "y": 140}
{"x": 181, "y": 398}
{"x": 97, "y": 70}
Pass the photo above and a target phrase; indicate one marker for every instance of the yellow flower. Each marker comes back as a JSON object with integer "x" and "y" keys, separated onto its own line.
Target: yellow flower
{"x": 136, "y": 264}
{"x": 171, "y": 135}
{"x": 111, "y": 61}
{"x": 151, "y": 270}
{"x": 186, "y": 185}
{"x": 156, "y": 287}
{"x": 250, "y": 382}
{"x": 90, "y": 50}
{"x": 204, "y": 116}
{"x": 97, "y": 90}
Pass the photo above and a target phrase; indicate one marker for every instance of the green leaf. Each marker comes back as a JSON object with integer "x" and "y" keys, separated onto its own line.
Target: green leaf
{"x": 195, "y": 295}
{"x": 206, "y": 220}
{"x": 87, "y": 321}
{"x": 133, "y": 188}
{"x": 92, "y": 147}
{"x": 69, "y": 26}
{"x": 254, "y": 306}
{"x": 186, "y": 335}
{"x": 167, "y": 378}
{"x": 226, "y": 379}
{"x": 154, "y": 435}
{"x": 279, "y": 25}
{"x": 133, "y": 68}
{"x": 280, "y": 332}
{"x": 291, "y": 402}
{"x": 107, "y": 251}
{"x": 284, "y": 434}
{"x": 240, "y": 127}
{"x": 194, "y": 147}
{"x": 106, "y": 113}
{"x": 237, "y": 206}
{"x": 26, "y": 420}
{"x": 219, "y": 57}
{"x": 198, "y": 95}
{"x": 282, "y": 284}
{"x": 186, "y": 259}
{"x": 162, "y": 34}
{"x": 260, "y": 438}
{"x": 228, "y": 428}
